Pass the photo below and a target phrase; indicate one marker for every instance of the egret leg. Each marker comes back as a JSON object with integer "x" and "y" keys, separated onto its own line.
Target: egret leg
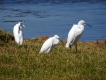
{"x": 76, "y": 47}
{"x": 70, "y": 47}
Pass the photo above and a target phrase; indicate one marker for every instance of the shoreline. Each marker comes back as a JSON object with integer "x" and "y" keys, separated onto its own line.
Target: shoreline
{"x": 9, "y": 36}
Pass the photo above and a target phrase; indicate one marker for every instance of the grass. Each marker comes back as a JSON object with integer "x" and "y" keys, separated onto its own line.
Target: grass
{"x": 23, "y": 62}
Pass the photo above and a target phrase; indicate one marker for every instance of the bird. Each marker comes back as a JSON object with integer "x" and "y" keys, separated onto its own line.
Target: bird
{"x": 17, "y": 32}
{"x": 75, "y": 33}
{"x": 49, "y": 44}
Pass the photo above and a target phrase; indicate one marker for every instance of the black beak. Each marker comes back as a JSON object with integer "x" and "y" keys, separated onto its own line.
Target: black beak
{"x": 88, "y": 25}
{"x": 61, "y": 41}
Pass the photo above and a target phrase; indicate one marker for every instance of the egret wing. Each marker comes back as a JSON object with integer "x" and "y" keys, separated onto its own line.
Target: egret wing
{"x": 76, "y": 33}
{"x": 47, "y": 45}
{"x": 15, "y": 32}
{"x": 72, "y": 35}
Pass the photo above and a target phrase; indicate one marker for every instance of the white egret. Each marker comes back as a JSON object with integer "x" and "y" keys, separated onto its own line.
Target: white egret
{"x": 49, "y": 44}
{"x": 75, "y": 33}
{"x": 17, "y": 31}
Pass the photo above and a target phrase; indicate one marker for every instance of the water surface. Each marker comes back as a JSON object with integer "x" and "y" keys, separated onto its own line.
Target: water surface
{"x": 48, "y": 19}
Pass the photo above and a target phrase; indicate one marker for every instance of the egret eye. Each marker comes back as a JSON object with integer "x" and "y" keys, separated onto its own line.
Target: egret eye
{"x": 84, "y": 23}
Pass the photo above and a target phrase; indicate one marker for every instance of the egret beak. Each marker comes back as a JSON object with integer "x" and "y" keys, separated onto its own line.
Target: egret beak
{"x": 61, "y": 41}
{"x": 88, "y": 25}
{"x": 23, "y": 26}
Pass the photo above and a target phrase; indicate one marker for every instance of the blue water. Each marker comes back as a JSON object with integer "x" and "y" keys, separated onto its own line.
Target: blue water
{"x": 50, "y": 17}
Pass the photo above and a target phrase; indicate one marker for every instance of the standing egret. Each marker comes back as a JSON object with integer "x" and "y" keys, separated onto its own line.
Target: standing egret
{"x": 75, "y": 33}
{"x": 49, "y": 44}
{"x": 17, "y": 31}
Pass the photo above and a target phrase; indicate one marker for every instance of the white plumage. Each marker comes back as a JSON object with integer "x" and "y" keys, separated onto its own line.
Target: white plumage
{"x": 75, "y": 33}
{"x": 18, "y": 35}
{"x": 49, "y": 44}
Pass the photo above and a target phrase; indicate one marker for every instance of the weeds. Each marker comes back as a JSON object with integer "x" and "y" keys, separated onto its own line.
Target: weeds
{"x": 24, "y": 61}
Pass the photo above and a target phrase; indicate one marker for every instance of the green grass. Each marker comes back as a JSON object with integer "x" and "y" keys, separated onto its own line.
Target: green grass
{"x": 23, "y": 62}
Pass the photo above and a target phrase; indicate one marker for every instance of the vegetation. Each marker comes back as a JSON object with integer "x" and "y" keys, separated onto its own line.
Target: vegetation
{"x": 23, "y": 62}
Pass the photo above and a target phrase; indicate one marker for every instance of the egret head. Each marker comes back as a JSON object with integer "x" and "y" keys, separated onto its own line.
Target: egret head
{"x": 82, "y": 22}
{"x": 20, "y": 25}
{"x": 57, "y": 37}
